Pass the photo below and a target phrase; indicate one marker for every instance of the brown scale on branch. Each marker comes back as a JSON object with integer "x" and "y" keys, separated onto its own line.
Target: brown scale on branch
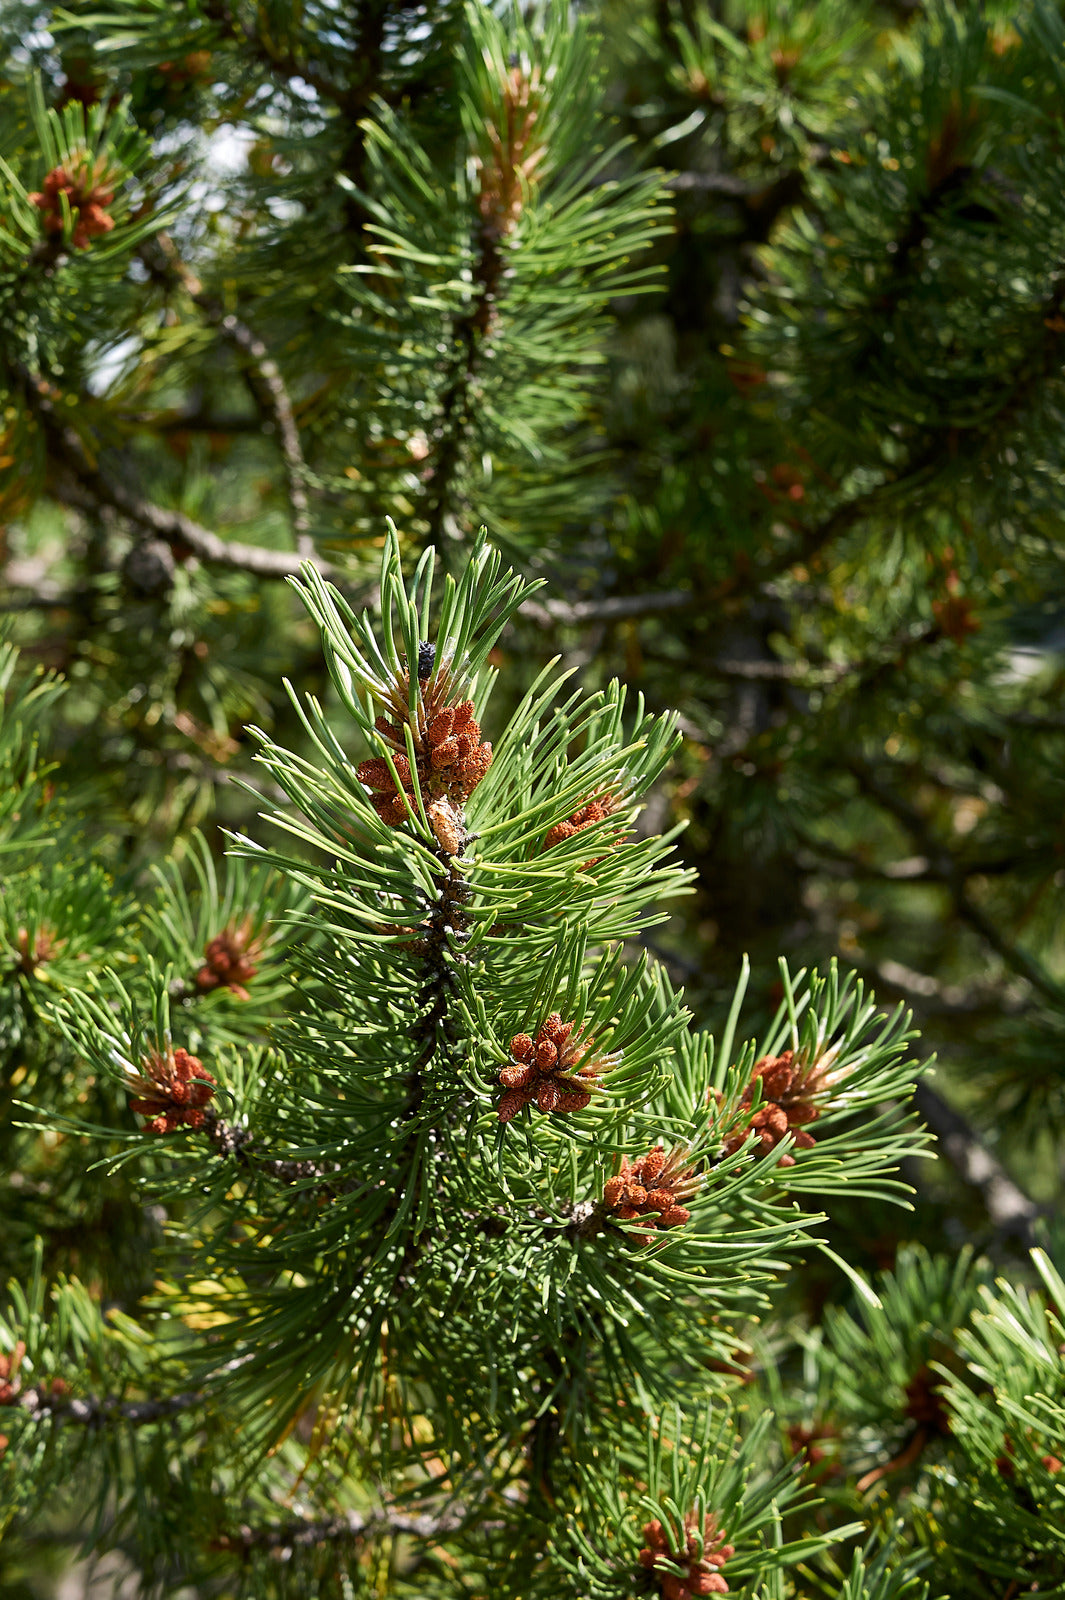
{"x": 555, "y": 1071}
{"x": 89, "y": 186}
{"x": 788, "y": 1088}
{"x": 229, "y": 962}
{"x": 449, "y": 754}
{"x": 172, "y": 1090}
{"x": 515, "y": 151}
{"x": 653, "y": 1188}
{"x": 703, "y": 1555}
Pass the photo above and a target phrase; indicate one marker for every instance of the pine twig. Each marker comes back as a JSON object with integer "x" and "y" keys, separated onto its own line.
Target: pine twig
{"x": 271, "y": 395}
{"x": 263, "y": 375}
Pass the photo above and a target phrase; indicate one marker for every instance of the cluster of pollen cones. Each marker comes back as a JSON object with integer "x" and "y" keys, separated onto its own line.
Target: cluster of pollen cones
{"x": 703, "y": 1556}
{"x": 172, "y": 1090}
{"x": 228, "y": 962}
{"x": 652, "y": 1188}
{"x": 600, "y": 806}
{"x": 787, "y": 1090}
{"x": 450, "y": 758}
{"x": 89, "y": 189}
{"x": 551, "y": 1071}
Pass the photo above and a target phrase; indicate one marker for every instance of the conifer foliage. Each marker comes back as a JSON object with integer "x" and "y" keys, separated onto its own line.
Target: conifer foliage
{"x": 479, "y": 1220}
{"x": 378, "y": 1216}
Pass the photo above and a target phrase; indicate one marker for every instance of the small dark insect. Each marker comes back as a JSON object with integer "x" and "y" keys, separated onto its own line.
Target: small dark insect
{"x": 426, "y": 658}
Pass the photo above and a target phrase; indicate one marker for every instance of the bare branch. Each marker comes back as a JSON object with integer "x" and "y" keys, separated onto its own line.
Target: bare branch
{"x": 263, "y": 375}
{"x": 99, "y": 490}
{"x": 268, "y": 386}
{"x": 1009, "y": 1209}
{"x": 1013, "y": 955}
{"x": 176, "y": 528}
{"x": 562, "y": 613}
{"x": 94, "y": 1410}
{"x": 953, "y": 873}
{"x": 930, "y": 996}
{"x": 304, "y": 1533}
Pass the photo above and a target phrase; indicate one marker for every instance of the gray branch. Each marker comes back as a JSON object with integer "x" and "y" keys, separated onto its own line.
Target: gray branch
{"x": 95, "y": 487}
{"x": 268, "y": 387}
{"x": 94, "y": 1410}
{"x": 1010, "y": 1211}
{"x": 562, "y": 613}
{"x": 307, "y": 1532}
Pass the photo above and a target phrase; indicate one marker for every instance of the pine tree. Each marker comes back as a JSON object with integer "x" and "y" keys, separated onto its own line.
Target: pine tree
{"x": 378, "y": 1216}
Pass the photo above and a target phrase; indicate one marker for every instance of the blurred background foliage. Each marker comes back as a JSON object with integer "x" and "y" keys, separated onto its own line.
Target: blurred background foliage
{"x": 739, "y": 322}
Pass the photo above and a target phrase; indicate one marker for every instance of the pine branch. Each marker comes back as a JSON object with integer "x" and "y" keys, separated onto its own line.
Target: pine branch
{"x": 194, "y": 421}
{"x": 95, "y": 1410}
{"x": 264, "y": 380}
{"x": 562, "y": 613}
{"x": 97, "y": 489}
{"x": 270, "y": 393}
{"x": 951, "y": 872}
{"x": 928, "y": 994}
{"x": 304, "y": 1533}
{"x": 1010, "y": 1210}
{"x": 229, "y": 1140}
{"x": 812, "y": 540}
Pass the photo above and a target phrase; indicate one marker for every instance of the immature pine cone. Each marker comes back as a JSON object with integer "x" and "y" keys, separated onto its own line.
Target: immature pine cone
{"x": 704, "y": 1571}
{"x": 787, "y": 1088}
{"x": 652, "y": 1187}
{"x": 89, "y": 189}
{"x": 546, "y": 1071}
{"x": 172, "y": 1090}
{"x": 229, "y": 961}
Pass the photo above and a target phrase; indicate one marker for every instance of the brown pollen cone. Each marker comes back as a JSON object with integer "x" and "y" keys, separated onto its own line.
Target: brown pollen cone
{"x": 653, "y": 1188}
{"x": 924, "y": 1402}
{"x": 9, "y": 1365}
{"x": 229, "y": 963}
{"x": 787, "y": 1090}
{"x": 546, "y": 1071}
{"x": 600, "y": 806}
{"x": 815, "y": 1444}
{"x": 703, "y": 1575}
{"x": 45, "y": 947}
{"x": 89, "y": 188}
{"x": 450, "y": 759}
{"x": 172, "y": 1090}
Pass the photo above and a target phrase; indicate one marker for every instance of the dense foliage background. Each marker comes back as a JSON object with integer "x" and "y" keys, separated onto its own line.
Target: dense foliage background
{"x": 740, "y": 323}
